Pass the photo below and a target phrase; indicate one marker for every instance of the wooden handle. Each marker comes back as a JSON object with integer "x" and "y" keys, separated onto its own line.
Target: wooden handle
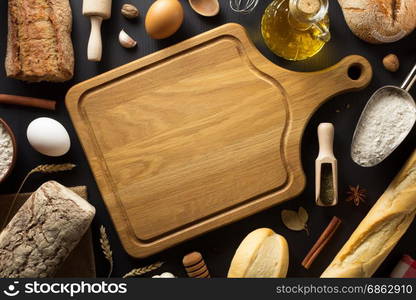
{"x": 326, "y": 140}
{"x": 95, "y": 47}
{"x": 352, "y": 73}
{"x": 312, "y": 89}
{"x": 27, "y": 101}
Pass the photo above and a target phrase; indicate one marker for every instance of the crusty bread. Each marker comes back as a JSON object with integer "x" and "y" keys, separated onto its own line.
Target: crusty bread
{"x": 380, "y": 230}
{"x": 380, "y": 21}
{"x": 39, "y": 46}
{"x": 262, "y": 254}
{"x": 43, "y": 232}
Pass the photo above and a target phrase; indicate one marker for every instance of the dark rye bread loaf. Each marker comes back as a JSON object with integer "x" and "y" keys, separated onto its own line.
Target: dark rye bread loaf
{"x": 43, "y": 232}
{"x": 39, "y": 46}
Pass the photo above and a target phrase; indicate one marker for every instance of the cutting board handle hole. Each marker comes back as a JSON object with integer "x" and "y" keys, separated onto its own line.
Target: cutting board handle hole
{"x": 355, "y": 71}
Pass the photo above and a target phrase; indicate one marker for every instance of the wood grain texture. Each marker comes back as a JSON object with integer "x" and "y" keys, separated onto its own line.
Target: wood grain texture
{"x": 198, "y": 135}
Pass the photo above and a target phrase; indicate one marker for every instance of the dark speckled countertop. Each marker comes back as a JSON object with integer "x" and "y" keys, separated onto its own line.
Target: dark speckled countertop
{"x": 218, "y": 246}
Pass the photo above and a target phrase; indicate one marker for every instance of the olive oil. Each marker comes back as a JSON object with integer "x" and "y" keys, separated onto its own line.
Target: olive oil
{"x": 295, "y": 29}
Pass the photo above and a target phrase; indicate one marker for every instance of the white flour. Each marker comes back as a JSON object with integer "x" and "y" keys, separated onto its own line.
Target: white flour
{"x": 6, "y": 151}
{"x": 385, "y": 124}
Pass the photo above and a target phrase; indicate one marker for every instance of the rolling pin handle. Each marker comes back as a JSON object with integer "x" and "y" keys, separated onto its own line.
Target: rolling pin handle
{"x": 326, "y": 140}
{"x": 95, "y": 47}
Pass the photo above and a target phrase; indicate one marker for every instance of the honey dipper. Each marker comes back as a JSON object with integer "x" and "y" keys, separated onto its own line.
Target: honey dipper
{"x": 195, "y": 265}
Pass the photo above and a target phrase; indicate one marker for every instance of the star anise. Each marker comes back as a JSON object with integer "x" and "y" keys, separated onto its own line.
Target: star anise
{"x": 356, "y": 194}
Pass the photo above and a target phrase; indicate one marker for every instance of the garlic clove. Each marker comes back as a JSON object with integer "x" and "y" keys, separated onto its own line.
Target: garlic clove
{"x": 125, "y": 40}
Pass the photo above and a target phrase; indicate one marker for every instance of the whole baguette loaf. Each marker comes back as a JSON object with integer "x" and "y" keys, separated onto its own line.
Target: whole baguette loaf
{"x": 39, "y": 46}
{"x": 380, "y": 21}
{"x": 43, "y": 232}
{"x": 380, "y": 230}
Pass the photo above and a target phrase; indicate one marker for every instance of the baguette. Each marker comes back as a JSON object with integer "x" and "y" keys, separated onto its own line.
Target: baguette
{"x": 380, "y": 230}
{"x": 39, "y": 46}
{"x": 43, "y": 232}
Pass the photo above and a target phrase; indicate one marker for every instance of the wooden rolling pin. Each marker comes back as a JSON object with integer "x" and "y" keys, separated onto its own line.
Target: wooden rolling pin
{"x": 27, "y": 101}
{"x": 97, "y": 10}
{"x": 382, "y": 228}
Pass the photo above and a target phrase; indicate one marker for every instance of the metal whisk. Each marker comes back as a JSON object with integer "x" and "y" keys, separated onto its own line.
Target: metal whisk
{"x": 243, "y": 6}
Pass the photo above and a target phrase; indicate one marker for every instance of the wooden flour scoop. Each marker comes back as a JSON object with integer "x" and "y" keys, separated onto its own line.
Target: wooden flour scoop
{"x": 326, "y": 168}
{"x": 199, "y": 134}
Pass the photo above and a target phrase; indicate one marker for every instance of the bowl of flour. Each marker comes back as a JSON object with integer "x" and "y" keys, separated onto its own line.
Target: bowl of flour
{"x": 7, "y": 150}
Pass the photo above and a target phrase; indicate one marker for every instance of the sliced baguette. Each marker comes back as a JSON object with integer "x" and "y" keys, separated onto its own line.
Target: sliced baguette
{"x": 380, "y": 230}
{"x": 262, "y": 254}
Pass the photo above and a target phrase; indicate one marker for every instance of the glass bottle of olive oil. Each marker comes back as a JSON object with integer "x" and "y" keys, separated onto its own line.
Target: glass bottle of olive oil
{"x": 296, "y": 29}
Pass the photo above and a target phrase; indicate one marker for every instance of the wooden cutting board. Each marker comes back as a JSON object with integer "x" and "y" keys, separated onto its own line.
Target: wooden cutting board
{"x": 199, "y": 135}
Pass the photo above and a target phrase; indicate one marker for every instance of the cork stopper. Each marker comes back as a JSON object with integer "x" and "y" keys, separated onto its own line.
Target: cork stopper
{"x": 310, "y": 7}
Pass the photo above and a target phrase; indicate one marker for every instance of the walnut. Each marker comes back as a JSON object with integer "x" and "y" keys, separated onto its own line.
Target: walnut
{"x": 129, "y": 11}
{"x": 391, "y": 63}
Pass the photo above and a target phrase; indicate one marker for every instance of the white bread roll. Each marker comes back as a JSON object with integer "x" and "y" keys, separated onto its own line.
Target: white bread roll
{"x": 380, "y": 21}
{"x": 380, "y": 230}
{"x": 262, "y": 254}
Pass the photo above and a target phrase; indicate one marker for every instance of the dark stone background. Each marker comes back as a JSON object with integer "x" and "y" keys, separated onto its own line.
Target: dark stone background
{"x": 218, "y": 246}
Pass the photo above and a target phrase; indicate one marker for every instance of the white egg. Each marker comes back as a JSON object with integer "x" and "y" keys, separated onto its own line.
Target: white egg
{"x": 48, "y": 137}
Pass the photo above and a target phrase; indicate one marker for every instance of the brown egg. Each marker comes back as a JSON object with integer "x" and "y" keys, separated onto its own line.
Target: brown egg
{"x": 164, "y": 18}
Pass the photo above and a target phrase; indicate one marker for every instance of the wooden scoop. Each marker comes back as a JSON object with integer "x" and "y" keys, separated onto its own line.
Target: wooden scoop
{"x": 326, "y": 168}
{"x": 97, "y": 10}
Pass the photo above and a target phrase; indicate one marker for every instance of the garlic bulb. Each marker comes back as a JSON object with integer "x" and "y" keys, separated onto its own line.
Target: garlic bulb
{"x": 125, "y": 40}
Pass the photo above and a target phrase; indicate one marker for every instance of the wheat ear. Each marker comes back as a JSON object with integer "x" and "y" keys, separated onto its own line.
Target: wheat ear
{"x": 39, "y": 169}
{"x": 105, "y": 246}
{"x": 143, "y": 270}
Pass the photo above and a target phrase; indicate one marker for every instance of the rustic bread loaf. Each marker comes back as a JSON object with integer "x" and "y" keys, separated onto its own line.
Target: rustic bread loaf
{"x": 380, "y": 230}
{"x": 43, "y": 232}
{"x": 39, "y": 46}
{"x": 380, "y": 21}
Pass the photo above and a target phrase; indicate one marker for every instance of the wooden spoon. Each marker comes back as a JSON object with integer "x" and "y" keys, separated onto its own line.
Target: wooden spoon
{"x": 206, "y": 8}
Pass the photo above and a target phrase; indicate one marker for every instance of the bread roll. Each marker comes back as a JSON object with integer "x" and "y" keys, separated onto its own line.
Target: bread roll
{"x": 380, "y": 230}
{"x": 262, "y": 254}
{"x": 39, "y": 46}
{"x": 380, "y": 21}
{"x": 43, "y": 232}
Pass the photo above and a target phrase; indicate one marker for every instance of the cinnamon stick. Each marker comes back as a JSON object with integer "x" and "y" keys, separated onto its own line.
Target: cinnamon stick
{"x": 27, "y": 101}
{"x": 321, "y": 242}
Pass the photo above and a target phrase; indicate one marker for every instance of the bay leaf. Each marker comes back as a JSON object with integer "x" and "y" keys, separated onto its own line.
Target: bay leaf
{"x": 303, "y": 215}
{"x": 291, "y": 220}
